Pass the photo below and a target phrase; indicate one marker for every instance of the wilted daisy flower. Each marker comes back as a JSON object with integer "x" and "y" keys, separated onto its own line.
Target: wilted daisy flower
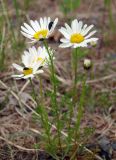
{"x": 78, "y": 35}
{"x": 32, "y": 63}
{"x": 39, "y": 30}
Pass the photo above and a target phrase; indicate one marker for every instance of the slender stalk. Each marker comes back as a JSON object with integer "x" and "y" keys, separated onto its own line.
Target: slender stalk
{"x": 112, "y": 24}
{"x": 43, "y": 114}
{"x": 80, "y": 108}
{"x": 33, "y": 90}
{"x": 108, "y": 4}
{"x": 74, "y": 62}
{"x": 6, "y": 16}
{"x": 74, "y": 70}
{"x": 53, "y": 80}
{"x": 41, "y": 89}
{"x": 16, "y": 6}
{"x": 79, "y": 117}
{"x": 2, "y": 49}
{"x": 71, "y": 6}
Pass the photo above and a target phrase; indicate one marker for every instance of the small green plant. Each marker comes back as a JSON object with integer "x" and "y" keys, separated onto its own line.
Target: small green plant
{"x": 108, "y": 4}
{"x": 34, "y": 60}
{"x": 2, "y": 48}
{"x": 68, "y": 6}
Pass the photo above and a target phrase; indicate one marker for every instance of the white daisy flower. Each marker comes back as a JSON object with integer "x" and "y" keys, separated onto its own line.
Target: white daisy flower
{"x": 39, "y": 55}
{"x": 39, "y": 30}
{"x": 78, "y": 35}
{"x": 32, "y": 62}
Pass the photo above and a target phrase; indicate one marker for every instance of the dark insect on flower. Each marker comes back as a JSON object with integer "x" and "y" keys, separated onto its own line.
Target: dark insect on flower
{"x": 50, "y": 25}
{"x": 25, "y": 68}
{"x": 40, "y": 67}
{"x": 41, "y": 39}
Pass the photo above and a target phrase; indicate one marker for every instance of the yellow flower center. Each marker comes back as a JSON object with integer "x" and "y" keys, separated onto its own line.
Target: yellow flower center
{"x": 76, "y": 38}
{"x": 41, "y": 34}
{"x": 39, "y": 59}
{"x": 27, "y": 71}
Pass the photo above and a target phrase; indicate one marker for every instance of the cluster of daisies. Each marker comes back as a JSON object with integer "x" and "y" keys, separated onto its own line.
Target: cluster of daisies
{"x": 34, "y": 59}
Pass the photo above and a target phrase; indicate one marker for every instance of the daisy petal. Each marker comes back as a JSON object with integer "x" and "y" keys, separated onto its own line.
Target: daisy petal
{"x": 33, "y": 24}
{"x": 90, "y": 34}
{"x": 68, "y": 28}
{"x": 26, "y": 30}
{"x": 28, "y": 76}
{"x": 19, "y": 68}
{"x": 29, "y": 28}
{"x": 88, "y": 29}
{"x": 91, "y": 40}
{"x": 17, "y": 76}
{"x": 64, "y": 33}
{"x": 65, "y": 45}
{"x": 26, "y": 35}
{"x": 64, "y": 40}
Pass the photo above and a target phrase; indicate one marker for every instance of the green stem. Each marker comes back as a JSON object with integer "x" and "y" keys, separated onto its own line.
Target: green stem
{"x": 6, "y": 16}
{"x": 52, "y": 70}
{"x": 41, "y": 89}
{"x": 33, "y": 90}
{"x": 80, "y": 109}
{"x": 74, "y": 61}
{"x": 53, "y": 80}
{"x": 112, "y": 24}
{"x": 74, "y": 69}
{"x": 71, "y": 6}
{"x": 78, "y": 119}
{"x": 43, "y": 114}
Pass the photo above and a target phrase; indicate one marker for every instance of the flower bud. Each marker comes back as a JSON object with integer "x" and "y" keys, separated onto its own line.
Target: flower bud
{"x": 87, "y": 64}
{"x": 93, "y": 43}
